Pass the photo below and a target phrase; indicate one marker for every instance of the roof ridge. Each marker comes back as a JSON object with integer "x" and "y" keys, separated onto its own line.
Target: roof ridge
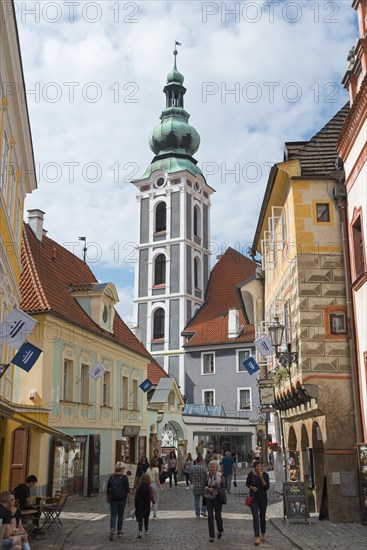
{"x": 331, "y": 122}
{"x": 28, "y": 259}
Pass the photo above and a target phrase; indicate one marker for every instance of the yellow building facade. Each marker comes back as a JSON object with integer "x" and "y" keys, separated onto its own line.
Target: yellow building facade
{"x": 95, "y": 419}
{"x": 17, "y": 178}
{"x": 299, "y": 237}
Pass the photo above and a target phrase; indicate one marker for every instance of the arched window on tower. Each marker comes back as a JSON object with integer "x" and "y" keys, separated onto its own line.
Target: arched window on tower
{"x": 160, "y": 217}
{"x": 196, "y": 273}
{"x": 160, "y": 270}
{"x": 197, "y": 221}
{"x": 158, "y": 324}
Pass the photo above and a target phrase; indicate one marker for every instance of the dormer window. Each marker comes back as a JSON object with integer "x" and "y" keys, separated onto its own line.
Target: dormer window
{"x": 98, "y": 301}
{"x": 105, "y": 314}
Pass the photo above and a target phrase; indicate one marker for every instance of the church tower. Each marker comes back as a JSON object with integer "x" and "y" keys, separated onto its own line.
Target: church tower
{"x": 173, "y": 233}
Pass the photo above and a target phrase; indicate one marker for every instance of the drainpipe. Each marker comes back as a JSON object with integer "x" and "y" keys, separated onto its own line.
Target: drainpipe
{"x": 340, "y": 200}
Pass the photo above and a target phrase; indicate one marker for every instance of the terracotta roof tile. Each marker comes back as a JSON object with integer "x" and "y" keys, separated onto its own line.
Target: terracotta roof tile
{"x": 210, "y": 324}
{"x": 155, "y": 373}
{"x": 49, "y": 272}
{"x": 319, "y": 154}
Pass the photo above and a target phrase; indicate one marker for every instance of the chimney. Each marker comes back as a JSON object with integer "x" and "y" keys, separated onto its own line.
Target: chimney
{"x": 136, "y": 330}
{"x": 233, "y": 323}
{"x": 35, "y": 221}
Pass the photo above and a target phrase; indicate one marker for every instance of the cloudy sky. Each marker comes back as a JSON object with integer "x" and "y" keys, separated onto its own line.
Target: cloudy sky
{"x": 257, "y": 74}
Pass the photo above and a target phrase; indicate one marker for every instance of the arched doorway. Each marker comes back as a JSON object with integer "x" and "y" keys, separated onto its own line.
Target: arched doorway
{"x": 172, "y": 437}
{"x": 306, "y": 475}
{"x": 319, "y": 470}
{"x": 293, "y": 456}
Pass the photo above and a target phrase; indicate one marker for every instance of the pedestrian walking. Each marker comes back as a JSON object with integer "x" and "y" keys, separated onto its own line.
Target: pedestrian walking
{"x": 258, "y": 483}
{"x": 270, "y": 458}
{"x": 153, "y": 473}
{"x": 200, "y": 448}
{"x": 215, "y": 458}
{"x": 215, "y": 497}
{"x": 159, "y": 460}
{"x": 118, "y": 492}
{"x": 229, "y": 469}
{"x": 143, "y": 497}
{"x": 187, "y": 469}
{"x": 198, "y": 478}
{"x": 140, "y": 470}
{"x": 172, "y": 469}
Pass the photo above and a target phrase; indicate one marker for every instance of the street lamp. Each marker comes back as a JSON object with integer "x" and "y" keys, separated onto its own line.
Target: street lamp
{"x": 285, "y": 358}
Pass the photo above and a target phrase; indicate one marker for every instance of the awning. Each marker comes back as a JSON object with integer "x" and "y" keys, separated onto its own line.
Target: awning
{"x": 18, "y": 414}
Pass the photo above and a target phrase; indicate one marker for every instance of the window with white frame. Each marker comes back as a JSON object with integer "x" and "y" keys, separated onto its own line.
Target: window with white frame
{"x": 84, "y": 384}
{"x": 135, "y": 397}
{"x": 338, "y": 322}
{"x": 244, "y": 399}
{"x": 209, "y": 397}
{"x": 4, "y": 162}
{"x": 287, "y": 322}
{"x": 242, "y": 355}
{"x": 208, "y": 363}
{"x": 124, "y": 392}
{"x": 106, "y": 389}
{"x": 67, "y": 380}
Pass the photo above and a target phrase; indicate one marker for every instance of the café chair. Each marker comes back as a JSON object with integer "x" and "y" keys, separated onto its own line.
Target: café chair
{"x": 52, "y": 512}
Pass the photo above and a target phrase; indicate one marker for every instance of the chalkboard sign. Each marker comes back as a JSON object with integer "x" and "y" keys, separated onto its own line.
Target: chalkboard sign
{"x": 295, "y": 501}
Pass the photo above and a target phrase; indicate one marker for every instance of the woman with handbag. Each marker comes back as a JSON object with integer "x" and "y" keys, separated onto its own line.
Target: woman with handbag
{"x": 187, "y": 469}
{"x": 258, "y": 483}
{"x": 215, "y": 496}
{"x": 153, "y": 473}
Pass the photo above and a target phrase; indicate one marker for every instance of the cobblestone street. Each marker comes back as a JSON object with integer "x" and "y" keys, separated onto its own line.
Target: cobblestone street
{"x": 86, "y": 525}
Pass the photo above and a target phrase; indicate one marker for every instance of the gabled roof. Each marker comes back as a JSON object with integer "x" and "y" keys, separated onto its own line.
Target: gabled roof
{"x": 317, "y": 158}
{"x": 49, "y": 274}
{"x": 210, "y": 324}
{"x": 318, "y": 155}
{"x": 163, "y": 390}
{"x": 156, "y": 373}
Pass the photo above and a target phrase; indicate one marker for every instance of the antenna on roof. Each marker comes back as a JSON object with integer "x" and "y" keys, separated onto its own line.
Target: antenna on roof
{"x": 85, "y": 247}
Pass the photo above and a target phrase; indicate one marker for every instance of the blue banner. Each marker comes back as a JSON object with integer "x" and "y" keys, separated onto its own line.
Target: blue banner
{"x": 26, "y": 356}
{"x": 250, "y": 365}
{"x": 146, "y": 385}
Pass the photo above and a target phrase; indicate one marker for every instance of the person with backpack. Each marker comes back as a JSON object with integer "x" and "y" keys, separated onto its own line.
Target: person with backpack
{"x": 144, "y": 495}
{"x": 118, "y": 492}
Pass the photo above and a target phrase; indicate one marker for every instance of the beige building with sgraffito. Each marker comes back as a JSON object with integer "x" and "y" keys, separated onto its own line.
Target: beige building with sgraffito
{"x": 299, "y": 237}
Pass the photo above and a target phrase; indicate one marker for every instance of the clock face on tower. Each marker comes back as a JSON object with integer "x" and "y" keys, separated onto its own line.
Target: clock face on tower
{"x": 160, "y": 182}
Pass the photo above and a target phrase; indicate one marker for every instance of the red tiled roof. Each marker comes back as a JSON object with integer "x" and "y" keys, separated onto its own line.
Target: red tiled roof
{"x": 210, "y": 324}
{"x": 155, "y": 373}
{"x": 49, "y": 271}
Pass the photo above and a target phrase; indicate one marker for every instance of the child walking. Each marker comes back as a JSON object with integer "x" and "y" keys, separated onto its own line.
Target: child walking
{"x": 143, "y": 497}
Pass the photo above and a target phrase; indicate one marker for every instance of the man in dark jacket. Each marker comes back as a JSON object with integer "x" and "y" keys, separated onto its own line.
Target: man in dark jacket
{"x": 118, "y": 491}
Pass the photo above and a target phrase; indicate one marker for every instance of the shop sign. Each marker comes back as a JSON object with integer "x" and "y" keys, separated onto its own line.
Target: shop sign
{"x": 130, "y": 431}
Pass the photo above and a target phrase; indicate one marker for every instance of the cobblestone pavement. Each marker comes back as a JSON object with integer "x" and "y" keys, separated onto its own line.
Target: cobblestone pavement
{"x": 86, "y": 525}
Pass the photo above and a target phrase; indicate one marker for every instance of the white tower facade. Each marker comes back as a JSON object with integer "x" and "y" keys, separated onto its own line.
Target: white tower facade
{"x": 173, "y": 234}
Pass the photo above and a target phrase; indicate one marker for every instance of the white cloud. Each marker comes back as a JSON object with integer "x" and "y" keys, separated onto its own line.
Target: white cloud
{"x": 126, "y": 63}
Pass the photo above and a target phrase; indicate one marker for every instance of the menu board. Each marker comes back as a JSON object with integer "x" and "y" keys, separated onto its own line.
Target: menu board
{"x": 295, "y": 501}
